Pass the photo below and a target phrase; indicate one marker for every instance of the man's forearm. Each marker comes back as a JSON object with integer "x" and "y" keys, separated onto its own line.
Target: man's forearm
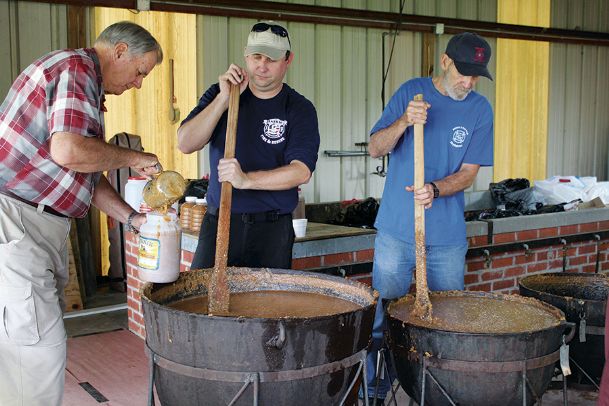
{"x": 89, "y": 154}
{"x": 195, "y": 134}
{"x": 458, "y": 181}
{"x": 383, "y": 141}
{"x": 283, "y": 178}
{"x": 106, "y": 199}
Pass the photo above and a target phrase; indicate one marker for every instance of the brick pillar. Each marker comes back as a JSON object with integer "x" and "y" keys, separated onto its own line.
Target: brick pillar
{"x": 134, "y": 285}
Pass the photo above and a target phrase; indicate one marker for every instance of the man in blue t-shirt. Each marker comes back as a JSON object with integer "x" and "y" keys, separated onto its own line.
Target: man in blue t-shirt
{"x": 276, "y": 151}
{"x": 458, "y": 140}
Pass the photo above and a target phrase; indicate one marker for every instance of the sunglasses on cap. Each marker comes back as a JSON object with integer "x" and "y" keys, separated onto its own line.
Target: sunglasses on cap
{"x": 275, "y": 29}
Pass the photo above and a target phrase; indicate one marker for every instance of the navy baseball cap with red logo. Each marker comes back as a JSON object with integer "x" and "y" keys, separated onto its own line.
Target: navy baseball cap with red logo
{"x": 471, "y": 54}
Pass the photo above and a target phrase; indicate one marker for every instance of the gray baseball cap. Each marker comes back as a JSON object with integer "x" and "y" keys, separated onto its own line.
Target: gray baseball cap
{"x": 268, "y": 38}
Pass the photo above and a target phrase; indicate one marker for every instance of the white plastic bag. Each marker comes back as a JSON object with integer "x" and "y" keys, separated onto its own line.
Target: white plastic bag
{"x": 563, "y": 189}
{"x": 601, "y": 189}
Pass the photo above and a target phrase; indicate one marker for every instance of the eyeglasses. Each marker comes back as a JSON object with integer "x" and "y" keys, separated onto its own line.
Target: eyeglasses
{"x": 275, "y": 29}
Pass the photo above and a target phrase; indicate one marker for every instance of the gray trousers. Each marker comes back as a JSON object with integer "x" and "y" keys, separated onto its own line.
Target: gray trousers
{"x": 33, "y": 275}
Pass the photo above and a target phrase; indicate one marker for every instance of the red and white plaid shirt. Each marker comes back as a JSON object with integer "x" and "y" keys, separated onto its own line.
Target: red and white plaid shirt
{"x": 60, "y": 92}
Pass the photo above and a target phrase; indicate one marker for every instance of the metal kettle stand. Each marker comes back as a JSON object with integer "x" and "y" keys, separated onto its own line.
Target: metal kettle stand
{"x": 255, "y": 378}
{"x": 469, "y": 366}
{"x": 588, "y": 330}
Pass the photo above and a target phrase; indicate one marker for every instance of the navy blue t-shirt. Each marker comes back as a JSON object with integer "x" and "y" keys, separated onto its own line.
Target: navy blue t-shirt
{"x": 270, "y": 133}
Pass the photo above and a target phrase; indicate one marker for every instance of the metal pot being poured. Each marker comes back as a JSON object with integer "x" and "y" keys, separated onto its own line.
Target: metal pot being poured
{"x": 164, "y": 190}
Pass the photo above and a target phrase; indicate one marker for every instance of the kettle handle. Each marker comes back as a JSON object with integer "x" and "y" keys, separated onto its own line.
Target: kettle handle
{"x": 571, "y": 333}
{"x": 278, "y": 340}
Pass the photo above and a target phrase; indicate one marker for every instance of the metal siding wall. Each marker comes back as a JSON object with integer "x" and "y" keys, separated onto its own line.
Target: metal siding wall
{"x": 578, "y": 128}
{"x": 374, "y": 79}
{"x": 28, "y": 31}
{"x": 328, "y": 92}
{"x": 301, "y": 77}
{"x": 8, "y": 48}
{"x": 374, "y": 106}
{"x": 354, "y": 170}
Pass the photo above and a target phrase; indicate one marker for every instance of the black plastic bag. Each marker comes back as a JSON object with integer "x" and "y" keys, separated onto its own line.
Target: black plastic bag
{"x": 501, "y": 189}
{"x": 197, "y": 188}
{"x": 358, "y": 214}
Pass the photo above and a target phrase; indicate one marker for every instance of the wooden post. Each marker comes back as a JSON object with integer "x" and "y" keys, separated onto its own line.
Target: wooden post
{"x": 429, "y": 50}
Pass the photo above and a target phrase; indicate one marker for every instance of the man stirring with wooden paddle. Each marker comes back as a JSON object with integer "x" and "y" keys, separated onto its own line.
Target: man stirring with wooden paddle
{"x": 458, "y": 140}
{"x": 276, "y": 151}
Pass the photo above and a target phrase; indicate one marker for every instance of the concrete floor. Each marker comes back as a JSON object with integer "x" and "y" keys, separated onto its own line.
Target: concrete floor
{"x": 104, "y": 296}
{"x": 78, "y": 323}
{"x": 97, "y": 323}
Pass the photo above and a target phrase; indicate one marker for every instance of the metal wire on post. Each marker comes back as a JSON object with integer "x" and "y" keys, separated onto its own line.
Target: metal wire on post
{"x": 361, "y": 366}
{"x": 151, "y": 378}
{"x": 240, "y": 392}
{"x": 381, "y": 170}
{"x": 585, "y": 373}
{"x": 520, "y": 366}
{"x": 524, "y": 385}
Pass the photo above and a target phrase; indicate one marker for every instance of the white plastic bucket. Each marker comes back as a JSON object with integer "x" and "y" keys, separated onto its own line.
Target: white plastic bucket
{"x": 133, "y": 191}
{"x": 159, "y": 248}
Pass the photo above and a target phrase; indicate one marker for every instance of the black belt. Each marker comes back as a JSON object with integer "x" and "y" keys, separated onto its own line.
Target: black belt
{"x": 251, "y": 218}
{"x": 45, "y": 209}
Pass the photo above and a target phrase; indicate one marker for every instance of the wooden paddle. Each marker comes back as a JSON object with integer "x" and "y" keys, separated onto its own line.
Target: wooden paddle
{"x": 219, "y": 294}
{"x": 422, "y": 307}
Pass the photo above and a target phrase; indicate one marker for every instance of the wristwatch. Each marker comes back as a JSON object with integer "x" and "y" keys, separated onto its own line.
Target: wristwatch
{"x": 129, "y": 223}
{"x": 436, "y": 191}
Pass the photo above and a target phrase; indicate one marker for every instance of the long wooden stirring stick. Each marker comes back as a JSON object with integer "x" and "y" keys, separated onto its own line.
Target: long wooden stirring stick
{"x": 219, "y": 294}
{"x": 422, "y": 308}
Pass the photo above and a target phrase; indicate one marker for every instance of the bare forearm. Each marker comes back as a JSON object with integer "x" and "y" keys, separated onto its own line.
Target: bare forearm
{"x": 88, "y": 154}
{"x": 109, "y": 201}
{"x": 195, "y": 134}
{"x": 383, "y": 141}
{"x": 458, "y": 181}
{"x": 283, "y": 178}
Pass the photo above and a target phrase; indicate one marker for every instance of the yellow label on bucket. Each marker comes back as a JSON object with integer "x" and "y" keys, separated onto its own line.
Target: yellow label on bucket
{"x": 148, "y": 253}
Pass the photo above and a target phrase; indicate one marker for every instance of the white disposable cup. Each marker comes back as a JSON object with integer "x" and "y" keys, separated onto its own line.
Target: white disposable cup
{"x": 300, "y": 227}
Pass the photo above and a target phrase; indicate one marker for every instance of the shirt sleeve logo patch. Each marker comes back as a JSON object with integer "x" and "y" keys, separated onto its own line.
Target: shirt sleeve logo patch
{"x": 274, "y": 130}
{"x": 459, "y": 136}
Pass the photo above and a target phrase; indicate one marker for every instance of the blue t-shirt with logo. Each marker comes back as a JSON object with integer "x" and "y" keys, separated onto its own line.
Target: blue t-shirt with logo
{"x": 270, "y": 133}
{"x": 456, "y": 132}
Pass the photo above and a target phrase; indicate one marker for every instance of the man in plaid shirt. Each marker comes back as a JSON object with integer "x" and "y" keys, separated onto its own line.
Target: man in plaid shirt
{"x": 52, "y": 154}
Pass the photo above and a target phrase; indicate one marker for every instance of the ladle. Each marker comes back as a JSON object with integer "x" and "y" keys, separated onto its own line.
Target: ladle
{"x": 218, "y": 287}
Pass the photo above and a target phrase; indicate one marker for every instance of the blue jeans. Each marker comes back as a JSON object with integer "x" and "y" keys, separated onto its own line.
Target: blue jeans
{"x": 394, "y": 262}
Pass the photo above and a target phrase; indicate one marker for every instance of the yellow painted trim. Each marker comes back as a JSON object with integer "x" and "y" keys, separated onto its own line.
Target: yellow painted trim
{"x": 146, "y": 112}
{"x": 521, "y": 106}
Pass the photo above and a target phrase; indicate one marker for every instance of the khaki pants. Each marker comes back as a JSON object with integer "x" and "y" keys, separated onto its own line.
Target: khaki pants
{"x": 33, "y": 275}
